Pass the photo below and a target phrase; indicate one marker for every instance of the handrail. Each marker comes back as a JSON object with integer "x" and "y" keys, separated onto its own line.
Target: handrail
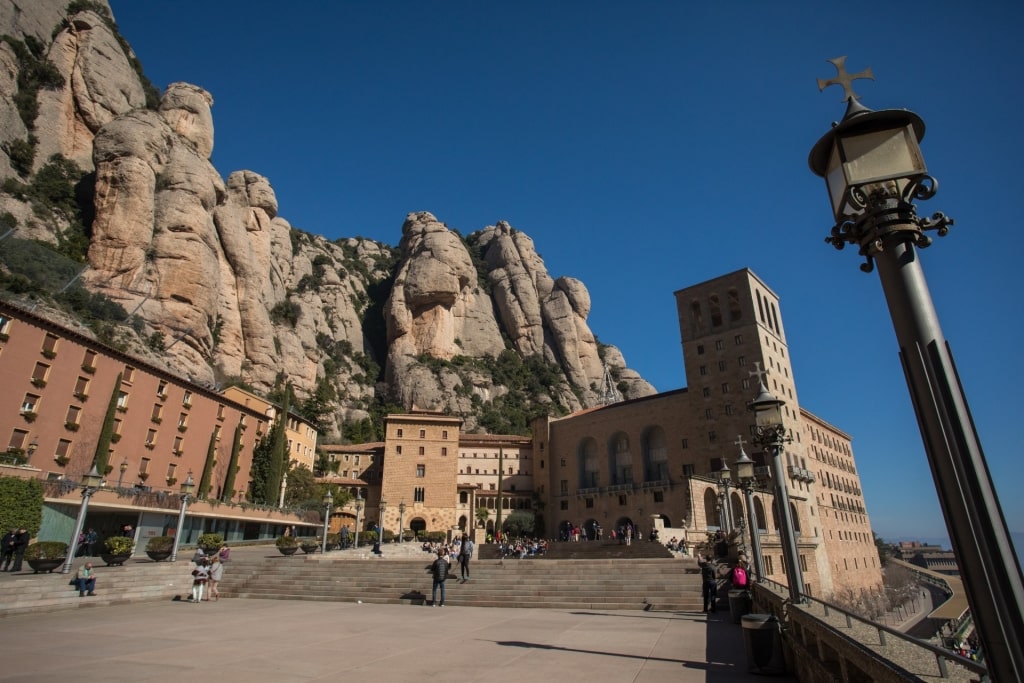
{"x": 942, "y": 656}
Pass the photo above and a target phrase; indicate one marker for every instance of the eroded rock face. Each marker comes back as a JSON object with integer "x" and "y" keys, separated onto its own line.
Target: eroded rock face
{"x": 210, "y": 268}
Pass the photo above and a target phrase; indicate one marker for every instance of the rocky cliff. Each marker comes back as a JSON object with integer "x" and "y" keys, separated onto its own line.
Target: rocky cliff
{"x": 223, "y": 289}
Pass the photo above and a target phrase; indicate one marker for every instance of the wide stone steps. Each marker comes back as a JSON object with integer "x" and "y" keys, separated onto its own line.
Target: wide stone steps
{"x": 565, "y": 584}
{"x": 135, "y": 581}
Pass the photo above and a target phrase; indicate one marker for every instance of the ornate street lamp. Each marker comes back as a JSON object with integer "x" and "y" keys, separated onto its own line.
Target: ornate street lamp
{"x": 187, "y": 487}
{"x": 122, "y": 469}
{"x": 328, "y": 500}
{"x": 874, "y": 170}
{"x": 359, "y": 514}
{"x": 90, "y": 482}
{"x": 380, "y": 508}
{"x": 724, "y": 477}
{"x": 401, "y": 520}
{"x": 772, "y": 435}
{"x": 745, "y": 477}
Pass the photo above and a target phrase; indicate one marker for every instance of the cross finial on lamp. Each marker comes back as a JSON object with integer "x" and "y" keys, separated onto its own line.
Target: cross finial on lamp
{"x": 761, "y": 373}
{"x": 845, "y": 79}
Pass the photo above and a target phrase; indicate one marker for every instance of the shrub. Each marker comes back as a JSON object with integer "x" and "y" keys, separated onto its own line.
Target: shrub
{"x": 286, "y": 542}
{"x": 46, "y": 550}
{"x": 212, "y": 542}
{"x": 118, "y": 545}
{"x": 159, "y": 544}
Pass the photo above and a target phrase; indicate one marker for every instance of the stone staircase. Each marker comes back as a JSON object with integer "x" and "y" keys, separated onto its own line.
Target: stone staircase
{"x": 135, "y": 581}
{"x": 606, "y": 549}
{"x": 592, "y": 583}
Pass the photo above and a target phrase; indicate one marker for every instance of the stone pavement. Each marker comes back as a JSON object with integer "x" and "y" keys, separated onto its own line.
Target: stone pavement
{"x": 274, "y": 640}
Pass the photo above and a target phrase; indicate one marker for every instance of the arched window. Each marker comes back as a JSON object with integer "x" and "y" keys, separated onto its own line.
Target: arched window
{"x": 762, "y": 524}
{"x": 696, "y": 315}
{"x": 711, "y": 508}
{"x": 716, "y": 310}
{"x": 735, "y": 312}
{"x": 655, "y": 455}
{"x": 590, "y": 465}
{"x": 760, "y": 307}
{"x": 621, "y": 459}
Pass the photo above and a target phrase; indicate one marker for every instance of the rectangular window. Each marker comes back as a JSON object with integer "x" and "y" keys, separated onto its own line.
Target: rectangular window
{"x": 700, "y": 349}
{"x": 151, "y": 437}
{"x": 72, "y": 416}
{"x": 712, "y": 436}
{"x": 725, "y": 387}
{"x": 18, "y": 438}
{"x": 688, "y": 470}
{"x": 706, "y": 392}
{"x": 423, "y": 433}
{"x": 623, "y": 500}
{"x": 422, "y": 450}
{"x": 444, "y": 433}
{"x": 741, "y": 361}
{"x": 30, "y": 403}
{"x": 703, "y": 370}
{"x": 178, "y": 445}
{"x": 746, "y": 382}
{"x": 50, "y": 345}
{"x": 82, "y": 388}
{"x": 183, "y": 421}
{"x": 768, "y": 565}
{"x": 187, "y": 400}
{"x": 659, "y": 496}
{"x": 220, "y": 411}
{"x": 161, "y": 389}
{"x": 117, "y": 426}
{"x": 122, "y": 401}
{"x": 728, "y": 409}
{"x": 421, "y": 471}
{"x": 738, "y": 339}
{"x": 63, "y": 448}
{"x": 144, "y": 466}
{"x": 563, "y": 486}
{"x": 419, "y": 494}
{"x": 5, "y": 324}
{"x": 564, "y": 505}
{"x": 707, "y": 413}
{"x": 170, "y": 471}
{"x": 129, "y": 374}
{"x": 590, "y": 502}
{"x": 803, "y": 563}
{"x": 89, "y": 361}
{"x": 686, "y": 443}
{"x": 398, "y": 450}
{"x": 444, "y": 450}
{"x": 398, "y": 433}
{"x": 719, "y": 345}
{"x": 721, "y": 365}
{"x": 39, "y": 374}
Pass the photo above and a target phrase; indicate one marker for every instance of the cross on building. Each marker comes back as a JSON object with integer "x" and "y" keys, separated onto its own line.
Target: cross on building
{"x": 845, "y": 79}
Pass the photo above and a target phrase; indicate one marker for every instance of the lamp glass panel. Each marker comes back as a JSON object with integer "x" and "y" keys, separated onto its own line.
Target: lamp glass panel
{"x": 745, "y": 470}
{"x": 92, "y": 479}
{"x": 768, "y": 414}
{"x": 835, "y": 179}
{"x": 881, "y": 155}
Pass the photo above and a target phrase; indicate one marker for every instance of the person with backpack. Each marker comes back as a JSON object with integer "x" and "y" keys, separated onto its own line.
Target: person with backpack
{"x": 439, "y": 570}
{"x": 740, "y": 576}
{"x": 465, "y": 555}
{"x": 709, "y": 582}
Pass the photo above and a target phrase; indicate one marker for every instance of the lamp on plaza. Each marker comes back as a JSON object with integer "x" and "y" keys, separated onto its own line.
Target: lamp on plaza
{"x": 359, "y": 514}
{"x": 121, "y": 470}
{"x": 772, "y": 435}
{"x": 380, "y": 512}
{"x": 874, "y": 170}
{"x": 187, "y": 487}
{"x": 401, "y": 520}
{"x": 90, "y": 482}
{"x": 745, "y": 480}
{"x": 724, "y": 477}
{"x": 328, "y": 501}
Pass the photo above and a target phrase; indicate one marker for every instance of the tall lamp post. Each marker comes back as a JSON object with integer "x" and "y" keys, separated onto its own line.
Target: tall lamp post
{"x": 745, "y": 481}
{"x": 401, "y": 520}
{"x": 772, "y": 435}
{"x": 724, "y": 476}
{"x": 328, "y": 500}
{"x": 359, "y": 516}
{"x": 187, "y": 487}
{"x": 90, "y": 482}
{"x": 380, "y": 508}
{"x": 873, "y": 169}
{"x": 121, "y": 470}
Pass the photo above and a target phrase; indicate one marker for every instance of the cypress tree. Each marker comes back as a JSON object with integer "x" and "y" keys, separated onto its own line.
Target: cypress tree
{"x": 501, "y": 474}
{"x": 229, "y": 478}
{"x": 211, "y": 460}
{"x": 102, "y": 455}
{"x": 279, "y": 453}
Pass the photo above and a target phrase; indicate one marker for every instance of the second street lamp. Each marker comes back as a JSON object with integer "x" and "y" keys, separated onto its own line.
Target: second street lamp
{"x": 328, "y": 500}
{"x": 90, "y": 482}
{"x": 724, "y": 477}
{"x": 187, "y": 487}
{"x": 401, "y": 520}
{"x": 772, "y": 435}
{"x": 745, "y": 480}
{"x": 359, "y": 516}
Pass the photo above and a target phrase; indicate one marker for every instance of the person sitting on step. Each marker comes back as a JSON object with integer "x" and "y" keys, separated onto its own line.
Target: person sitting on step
{"x": 85, "y": 579}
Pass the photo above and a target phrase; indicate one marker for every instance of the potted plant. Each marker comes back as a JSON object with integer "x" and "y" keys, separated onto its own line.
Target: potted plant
{"x": 159, "y": 547}
{"x": 287, "y": 545}
{"x": 210, "y": 543}
{"x": 118, "y": 550}
{"x": 309, "y": 545}
{"x": 45, "y": 556}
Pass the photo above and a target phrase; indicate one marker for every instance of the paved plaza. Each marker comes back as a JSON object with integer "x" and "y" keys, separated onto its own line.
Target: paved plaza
{"x": 272, "y": 640}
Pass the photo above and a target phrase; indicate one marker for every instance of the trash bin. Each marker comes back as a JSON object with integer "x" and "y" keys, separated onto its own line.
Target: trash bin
{"x": 763, "y": 640}
{"x": 739, "y": 604}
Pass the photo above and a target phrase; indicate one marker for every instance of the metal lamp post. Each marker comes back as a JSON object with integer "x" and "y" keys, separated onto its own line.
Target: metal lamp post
{"x": 187, "y": 487}
{"x": 328, "y": 500}
{"x": 772, "y": 435}
{"x": 122, "y": 469}
{"x": 359, "y": 515}
{"x": 401, "y": 520}
{"x": 90, "y": 482}
{"x": 383, "y": 505}
{"x": 745, "y": 479}
{"x": 874, "y": 170}
{"x": 724, "y": 477}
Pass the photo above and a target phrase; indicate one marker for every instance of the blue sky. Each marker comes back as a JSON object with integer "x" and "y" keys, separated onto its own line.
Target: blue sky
{"x": 646, "y": 148}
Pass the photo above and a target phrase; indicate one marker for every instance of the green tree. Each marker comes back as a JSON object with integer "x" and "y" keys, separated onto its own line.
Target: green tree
{"x": 501, "y": 473}
{"x": 482, "y": 515}
{"x": 21, "y": 504}
{"x": 302, "y": 489}
{"x": 261, "y": 455}
{"x": 520, "y": 523}
{"x": 211, "y": 460}
{"x": 229, "y": 478}
{"x": 102, "y": 454}
{"x": 882, "y": 547}
{"x": 278, "y": 461}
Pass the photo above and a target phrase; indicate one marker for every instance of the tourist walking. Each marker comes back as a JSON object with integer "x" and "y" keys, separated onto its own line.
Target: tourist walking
{"x": 465, "y": 555}
{"x": 7, "y": 550}
{"x": 709, "y": 582}
{"x": 439, "y": 570}
{"x": 216, "y": 575}
{"x": 21, "y": 539}
{"x": 200, "y": 575}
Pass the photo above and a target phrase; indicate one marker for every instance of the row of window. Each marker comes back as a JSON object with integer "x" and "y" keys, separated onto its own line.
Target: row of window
{"x": 720, "y": 345}
{"x": 421, "y": 450}
{"x": 423, "y": 433}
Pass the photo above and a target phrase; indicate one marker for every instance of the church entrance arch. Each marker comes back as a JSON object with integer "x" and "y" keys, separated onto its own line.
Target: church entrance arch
{"x": 462, "y": 523}
{"x": 620, "y": 526}
{"x": 417, "y": 524}
{"x": 590, "y": 529}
